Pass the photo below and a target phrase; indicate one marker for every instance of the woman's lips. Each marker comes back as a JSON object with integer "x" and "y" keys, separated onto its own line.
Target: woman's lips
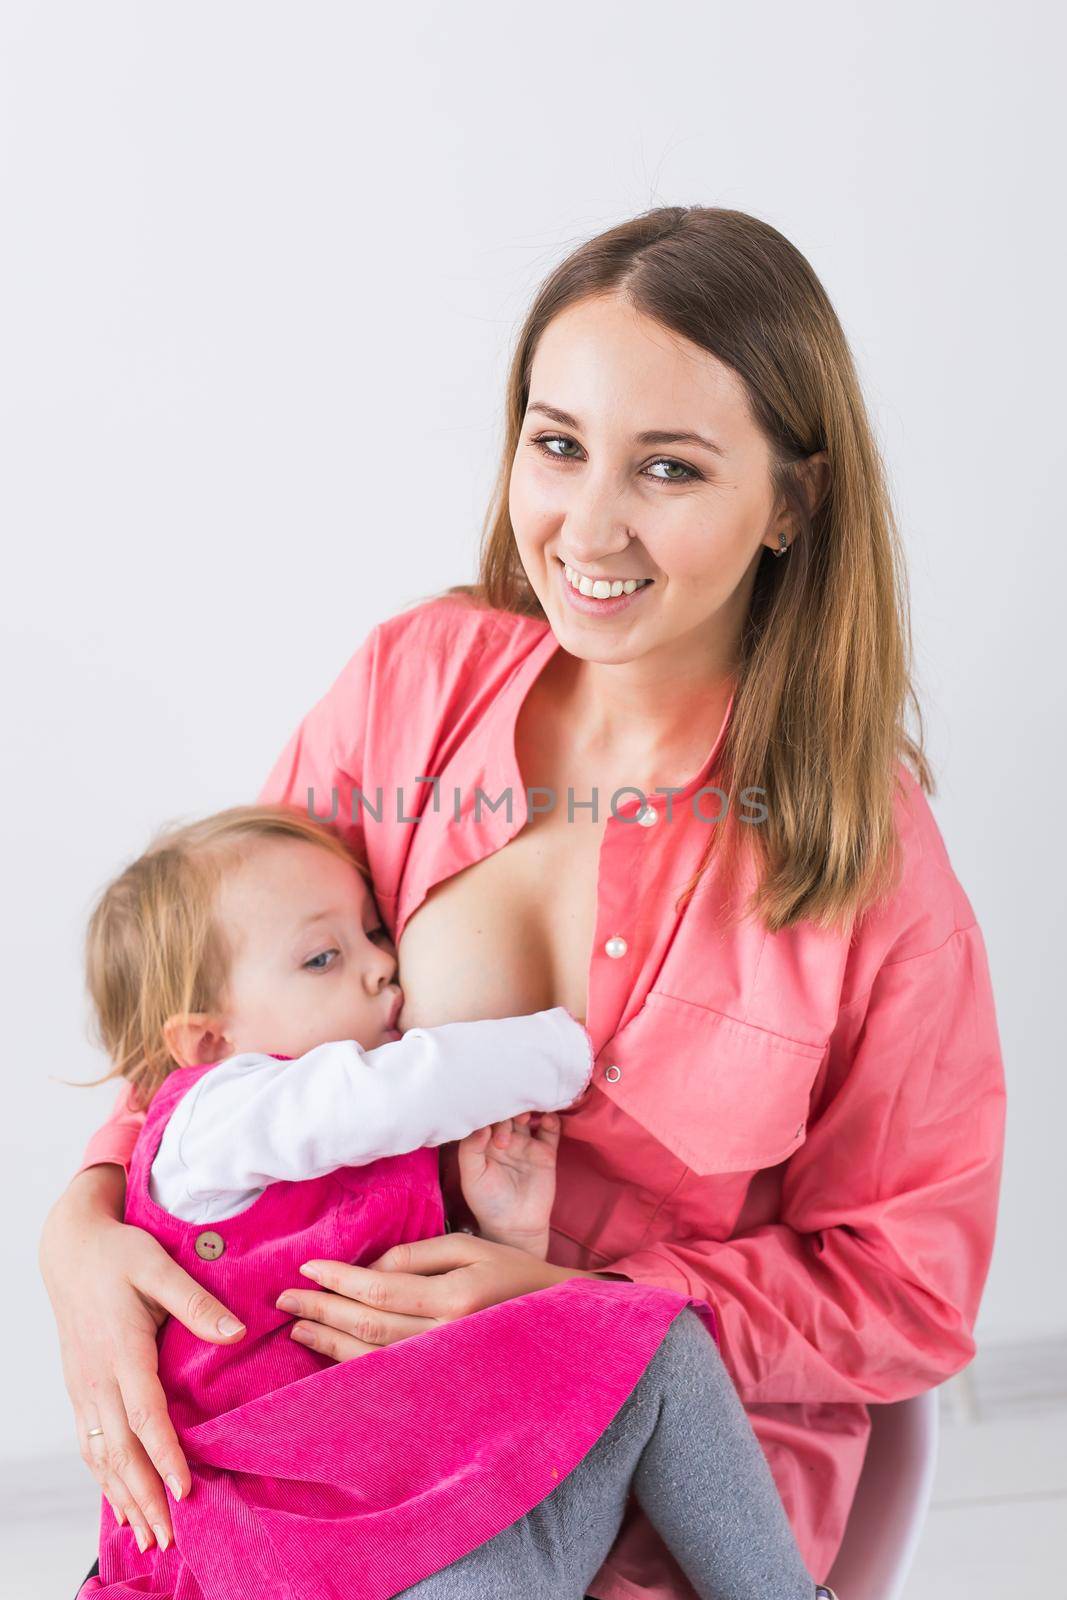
{"x": 600, "y": 608}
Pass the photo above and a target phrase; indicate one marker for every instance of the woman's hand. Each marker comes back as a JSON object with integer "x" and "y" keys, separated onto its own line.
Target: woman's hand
{"x": 111, "y": 1286}
{"x": 508, "y": 1179}
{"x": 410, "y": 1288}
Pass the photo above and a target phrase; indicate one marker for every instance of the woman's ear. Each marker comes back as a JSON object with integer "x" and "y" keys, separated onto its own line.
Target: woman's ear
{"x": 197, "y": 1038}
{"x": 812, "y": 478}
{"x": 814, "y": 472}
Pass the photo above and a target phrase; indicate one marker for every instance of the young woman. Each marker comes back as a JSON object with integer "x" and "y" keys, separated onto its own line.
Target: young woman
{"x": 691, "y": 607}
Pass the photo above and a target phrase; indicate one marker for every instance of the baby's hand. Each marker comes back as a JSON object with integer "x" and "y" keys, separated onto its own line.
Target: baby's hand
{"x": 508, "y": 1177}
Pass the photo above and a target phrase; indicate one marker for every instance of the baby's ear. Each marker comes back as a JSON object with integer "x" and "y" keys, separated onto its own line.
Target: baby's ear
{"x": 197, "y": 1038}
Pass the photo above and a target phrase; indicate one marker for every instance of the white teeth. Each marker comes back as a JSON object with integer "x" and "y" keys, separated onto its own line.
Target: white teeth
{"x": 602, "y": 588}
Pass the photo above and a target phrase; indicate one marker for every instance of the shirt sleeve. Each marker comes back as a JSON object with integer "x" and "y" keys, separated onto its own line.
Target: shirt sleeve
{"x": 255, "y": 1120}
{"x": 868, "y": 1286}
{"x": 322, "y": 762}
{"x": 114, "y": 1140}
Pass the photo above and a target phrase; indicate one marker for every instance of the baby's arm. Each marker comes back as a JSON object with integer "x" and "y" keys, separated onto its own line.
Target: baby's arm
{"x": 254, "y": 1120}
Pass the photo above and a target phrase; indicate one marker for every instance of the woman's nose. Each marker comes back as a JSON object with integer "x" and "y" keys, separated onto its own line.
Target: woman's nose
{"x": 595, "y": 528}
{"x": 593, "y": 539}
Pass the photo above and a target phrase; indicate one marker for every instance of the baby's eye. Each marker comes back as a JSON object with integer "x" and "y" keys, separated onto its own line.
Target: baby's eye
{"x": 321, "y": 962}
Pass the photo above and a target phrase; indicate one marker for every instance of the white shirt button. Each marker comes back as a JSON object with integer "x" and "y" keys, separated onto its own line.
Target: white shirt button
{"x": 613, "y": 1073}
{"x": 616, "y": 947}
{"x": 647, "y": 816}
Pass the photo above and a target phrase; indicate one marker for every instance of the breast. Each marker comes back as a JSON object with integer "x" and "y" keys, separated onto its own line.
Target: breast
{"x": 508, "y": 935}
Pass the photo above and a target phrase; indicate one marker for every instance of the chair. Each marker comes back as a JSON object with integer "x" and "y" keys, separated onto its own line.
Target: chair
{"x": 891, "y": 1502}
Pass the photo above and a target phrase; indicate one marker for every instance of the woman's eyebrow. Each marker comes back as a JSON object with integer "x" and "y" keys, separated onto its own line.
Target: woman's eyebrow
{"x": 649, "y": 436}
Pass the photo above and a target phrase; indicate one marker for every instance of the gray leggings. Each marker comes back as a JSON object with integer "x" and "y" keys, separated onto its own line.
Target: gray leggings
{"x": 683, "y": 1443}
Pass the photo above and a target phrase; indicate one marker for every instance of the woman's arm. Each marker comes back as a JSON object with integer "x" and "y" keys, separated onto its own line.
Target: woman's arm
{"x": 111, "y": 1287}
{"x": 867, "y": 1287}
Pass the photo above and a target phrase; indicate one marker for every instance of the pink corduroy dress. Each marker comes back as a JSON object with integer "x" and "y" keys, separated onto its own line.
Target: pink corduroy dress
{"x": 316, "y": 1480}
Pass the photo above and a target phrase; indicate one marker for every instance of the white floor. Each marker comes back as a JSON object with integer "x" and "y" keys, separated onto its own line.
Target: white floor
{"x": 998, "y": 1521}
{"x": 997, "y": 1526}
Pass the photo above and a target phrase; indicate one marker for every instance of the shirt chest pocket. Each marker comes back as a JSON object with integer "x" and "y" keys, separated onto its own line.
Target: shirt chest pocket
{"x": 721, "y": 1095}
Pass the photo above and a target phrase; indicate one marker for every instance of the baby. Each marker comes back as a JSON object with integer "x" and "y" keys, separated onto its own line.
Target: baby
{"x": 244, "y": 984}
{"x": 275, "y": 943}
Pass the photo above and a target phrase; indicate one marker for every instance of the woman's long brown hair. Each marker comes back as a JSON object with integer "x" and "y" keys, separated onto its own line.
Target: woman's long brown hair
{"x": 824, "y": 674}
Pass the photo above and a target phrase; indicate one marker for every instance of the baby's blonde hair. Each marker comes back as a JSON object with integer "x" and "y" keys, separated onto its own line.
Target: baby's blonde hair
{"x": 154, "y": 948}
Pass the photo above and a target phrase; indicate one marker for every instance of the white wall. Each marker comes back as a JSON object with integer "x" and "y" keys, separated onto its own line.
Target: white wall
{"x": 261, "y": 265}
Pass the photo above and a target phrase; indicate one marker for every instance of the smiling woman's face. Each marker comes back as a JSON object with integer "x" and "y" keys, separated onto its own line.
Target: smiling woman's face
{"x": 588, "y": 493}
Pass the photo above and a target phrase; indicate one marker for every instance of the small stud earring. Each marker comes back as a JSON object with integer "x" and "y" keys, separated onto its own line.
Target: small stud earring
{"x": 783, "y": 544}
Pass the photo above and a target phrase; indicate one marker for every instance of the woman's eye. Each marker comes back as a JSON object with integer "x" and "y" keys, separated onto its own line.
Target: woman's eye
{"x": 545, "y": 440}
{"x": 322, "y": 962}
{"x": 666, "y": 462}
{"x": 552, "y": 438}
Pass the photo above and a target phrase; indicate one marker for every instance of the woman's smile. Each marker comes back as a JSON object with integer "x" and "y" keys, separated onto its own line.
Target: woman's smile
{"x": 593, "y": 606}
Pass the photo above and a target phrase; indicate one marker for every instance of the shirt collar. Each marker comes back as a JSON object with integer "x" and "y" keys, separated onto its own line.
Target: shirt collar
{"x": 509, "y": 705}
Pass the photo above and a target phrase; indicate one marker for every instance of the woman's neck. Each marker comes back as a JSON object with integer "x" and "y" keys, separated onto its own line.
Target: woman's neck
{"x": 653, "y": 709}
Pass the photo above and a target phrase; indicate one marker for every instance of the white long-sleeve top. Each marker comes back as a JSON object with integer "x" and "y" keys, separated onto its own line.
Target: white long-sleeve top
{"x": 254, "y": 1120}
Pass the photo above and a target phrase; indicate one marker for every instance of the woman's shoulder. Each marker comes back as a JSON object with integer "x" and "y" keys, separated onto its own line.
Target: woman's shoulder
{"x": 446, "y": 625}
{"x": 927, "y": 904}
{"x": 447, "y": 652}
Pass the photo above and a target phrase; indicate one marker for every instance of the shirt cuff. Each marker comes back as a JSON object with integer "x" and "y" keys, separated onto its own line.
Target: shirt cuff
{"x": 100, "y": 1157}
{"x": 578, "y": 1057}
{"x": 647, "y": 1266}
{"x": 113, "y": 1143}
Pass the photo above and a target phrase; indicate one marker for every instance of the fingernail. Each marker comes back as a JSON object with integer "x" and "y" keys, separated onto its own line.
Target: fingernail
{"x": 286, "y": 1302}
{"x": 175, "y": 1487}
{"x": 119, "y": 1517}
{"x": 312, "y": 1269}
{"x": 141, "y": 1536}
{"x": 228, "y": 1325}
{"x": 162, "y": 1536}
{"x": 301, "y": 1334}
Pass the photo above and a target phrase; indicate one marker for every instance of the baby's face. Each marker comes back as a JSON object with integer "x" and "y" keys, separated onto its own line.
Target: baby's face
{"x": 312, "y": 961}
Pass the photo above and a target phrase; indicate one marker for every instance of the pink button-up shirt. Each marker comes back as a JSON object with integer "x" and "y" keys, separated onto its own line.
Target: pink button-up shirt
{"x": 803, "y": 1127}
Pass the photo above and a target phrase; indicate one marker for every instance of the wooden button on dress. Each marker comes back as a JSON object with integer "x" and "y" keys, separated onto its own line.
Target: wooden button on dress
{"x": 209, "y": 1246}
